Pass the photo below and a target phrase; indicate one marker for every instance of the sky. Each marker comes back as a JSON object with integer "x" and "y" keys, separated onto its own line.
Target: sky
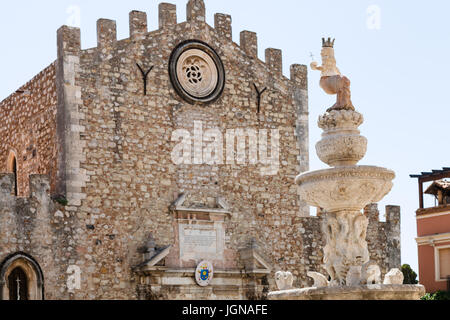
{"x": 396, "y": 53}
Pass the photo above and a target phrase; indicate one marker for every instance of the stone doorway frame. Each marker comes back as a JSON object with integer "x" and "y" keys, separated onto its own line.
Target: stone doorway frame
{"x": 32, "y": 270}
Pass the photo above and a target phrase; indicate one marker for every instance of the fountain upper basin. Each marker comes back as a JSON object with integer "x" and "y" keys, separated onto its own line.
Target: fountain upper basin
{"x": 349, "y": 188}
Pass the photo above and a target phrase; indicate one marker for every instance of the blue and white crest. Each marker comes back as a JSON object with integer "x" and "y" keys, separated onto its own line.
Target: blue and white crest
{"x": 204, "y": 273}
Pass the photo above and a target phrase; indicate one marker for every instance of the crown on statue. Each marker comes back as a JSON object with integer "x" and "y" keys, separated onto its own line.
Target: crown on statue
{"x": 328, "y": 43}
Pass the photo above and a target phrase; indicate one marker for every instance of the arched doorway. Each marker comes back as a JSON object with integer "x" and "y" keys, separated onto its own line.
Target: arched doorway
{"x": 18, "y": 284}
{"x": 21, "y": 278}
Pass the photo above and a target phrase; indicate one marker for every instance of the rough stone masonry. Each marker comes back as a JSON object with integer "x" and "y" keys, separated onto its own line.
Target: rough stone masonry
{"x": 102, "y": 212}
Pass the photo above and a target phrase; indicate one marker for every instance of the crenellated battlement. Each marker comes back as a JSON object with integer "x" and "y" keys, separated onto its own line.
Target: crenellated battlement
{"x": 222, "y": 23}
{"x": 196, "y": 11}
{"x": 39, "y": 186}
{"x": 249, "y": 43}
{"x": 106, "y": 33}
{"x": 274, "y": 59}
{"x": 138, "y": 25}
{"x": 7, "y": 185}
{"x": 383, "y": 238}
{"x": 392, "y": 213}
{"x": 195, "y": 14}
{"x": 167, "y": 15}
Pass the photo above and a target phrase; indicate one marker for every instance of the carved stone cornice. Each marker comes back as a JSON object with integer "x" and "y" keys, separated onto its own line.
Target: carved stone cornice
{"x": 342, "y": 119}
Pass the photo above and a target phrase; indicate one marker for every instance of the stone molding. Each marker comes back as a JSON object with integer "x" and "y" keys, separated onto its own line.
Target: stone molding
{"x": 433, "y": 239}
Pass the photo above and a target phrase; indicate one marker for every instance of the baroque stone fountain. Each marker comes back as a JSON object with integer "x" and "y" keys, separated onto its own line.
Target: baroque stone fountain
{"x": 342, "y": 192}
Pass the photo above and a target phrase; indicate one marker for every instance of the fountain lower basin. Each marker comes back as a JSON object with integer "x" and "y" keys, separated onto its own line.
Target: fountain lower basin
{"x": 348, "y": 188}
{"x": 368, "y": 292}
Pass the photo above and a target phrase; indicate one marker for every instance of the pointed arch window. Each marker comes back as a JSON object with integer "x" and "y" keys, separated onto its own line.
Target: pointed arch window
{"x": 12, "y": 168}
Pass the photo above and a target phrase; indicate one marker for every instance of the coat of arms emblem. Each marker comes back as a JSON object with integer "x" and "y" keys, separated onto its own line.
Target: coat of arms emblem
{"x": 204, "y": 273}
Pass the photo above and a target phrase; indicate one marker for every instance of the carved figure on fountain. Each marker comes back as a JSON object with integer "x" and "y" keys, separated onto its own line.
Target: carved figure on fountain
{"x": 346, "y": 244}
{"x": 331, "y": 81}
{"x": 371, "y": 273}
{"x": 284, "y": 280}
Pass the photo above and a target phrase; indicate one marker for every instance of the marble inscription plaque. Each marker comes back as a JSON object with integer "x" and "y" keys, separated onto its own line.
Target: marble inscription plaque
{"x": 201, "y": 241}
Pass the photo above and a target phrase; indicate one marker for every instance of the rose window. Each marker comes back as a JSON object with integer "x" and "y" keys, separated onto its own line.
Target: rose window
{"x": 197, "y": 73}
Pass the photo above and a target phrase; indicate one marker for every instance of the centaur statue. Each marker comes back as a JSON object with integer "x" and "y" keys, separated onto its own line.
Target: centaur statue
{"x": 332, "y": 82}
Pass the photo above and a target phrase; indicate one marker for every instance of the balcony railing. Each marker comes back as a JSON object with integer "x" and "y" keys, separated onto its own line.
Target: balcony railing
{"x": 439, "y": 209}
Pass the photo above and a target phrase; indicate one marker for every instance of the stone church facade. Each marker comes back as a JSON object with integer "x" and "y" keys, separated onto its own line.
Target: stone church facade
{"x": 92, "y": 203}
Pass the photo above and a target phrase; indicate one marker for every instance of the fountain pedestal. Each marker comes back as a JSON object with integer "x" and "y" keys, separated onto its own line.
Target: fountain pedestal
{"x": 342, "y": 192}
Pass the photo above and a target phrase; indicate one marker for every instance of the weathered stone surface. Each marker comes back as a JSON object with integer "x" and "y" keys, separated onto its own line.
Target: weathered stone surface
{"x": 28, "y": 129}
{"x": 395, "y": 276}
{"x": 284, "y": 280}
{"x": 29, "y": 227}
{"x": 341, "y": 144}
{"x": 319, "y": 279}
{"x": 353, "y": 276}
{"x": 370, "y": 273}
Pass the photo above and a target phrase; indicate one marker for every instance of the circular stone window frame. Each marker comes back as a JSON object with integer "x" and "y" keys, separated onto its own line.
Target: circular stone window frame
{"x": 173, "y": 72}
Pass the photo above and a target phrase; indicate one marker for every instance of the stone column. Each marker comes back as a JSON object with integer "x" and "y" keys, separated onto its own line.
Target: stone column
{"x": 71, "y": 177}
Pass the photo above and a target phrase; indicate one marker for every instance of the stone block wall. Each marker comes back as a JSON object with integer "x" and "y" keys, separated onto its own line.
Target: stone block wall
{"x": 384, "y": 237}
{"x": 28, "y": 129}
{"x": 39, "y": 228}
{"x": 123, "y": 148}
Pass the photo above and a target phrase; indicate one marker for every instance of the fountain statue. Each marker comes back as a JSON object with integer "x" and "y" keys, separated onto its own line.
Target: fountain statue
{"x": 342, "y": 192}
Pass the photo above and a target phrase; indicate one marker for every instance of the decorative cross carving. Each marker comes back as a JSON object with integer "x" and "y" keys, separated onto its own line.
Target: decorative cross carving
{"x": 145, "y": 76}
{"x": 18, "y": 289}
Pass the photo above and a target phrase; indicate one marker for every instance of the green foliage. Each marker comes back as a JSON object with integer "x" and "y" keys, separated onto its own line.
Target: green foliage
{"x": 410, "y": 275}
{"x": 427, "y": 297}
{"x": 440, "y": 295}
{"x": 61, "y": 200}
